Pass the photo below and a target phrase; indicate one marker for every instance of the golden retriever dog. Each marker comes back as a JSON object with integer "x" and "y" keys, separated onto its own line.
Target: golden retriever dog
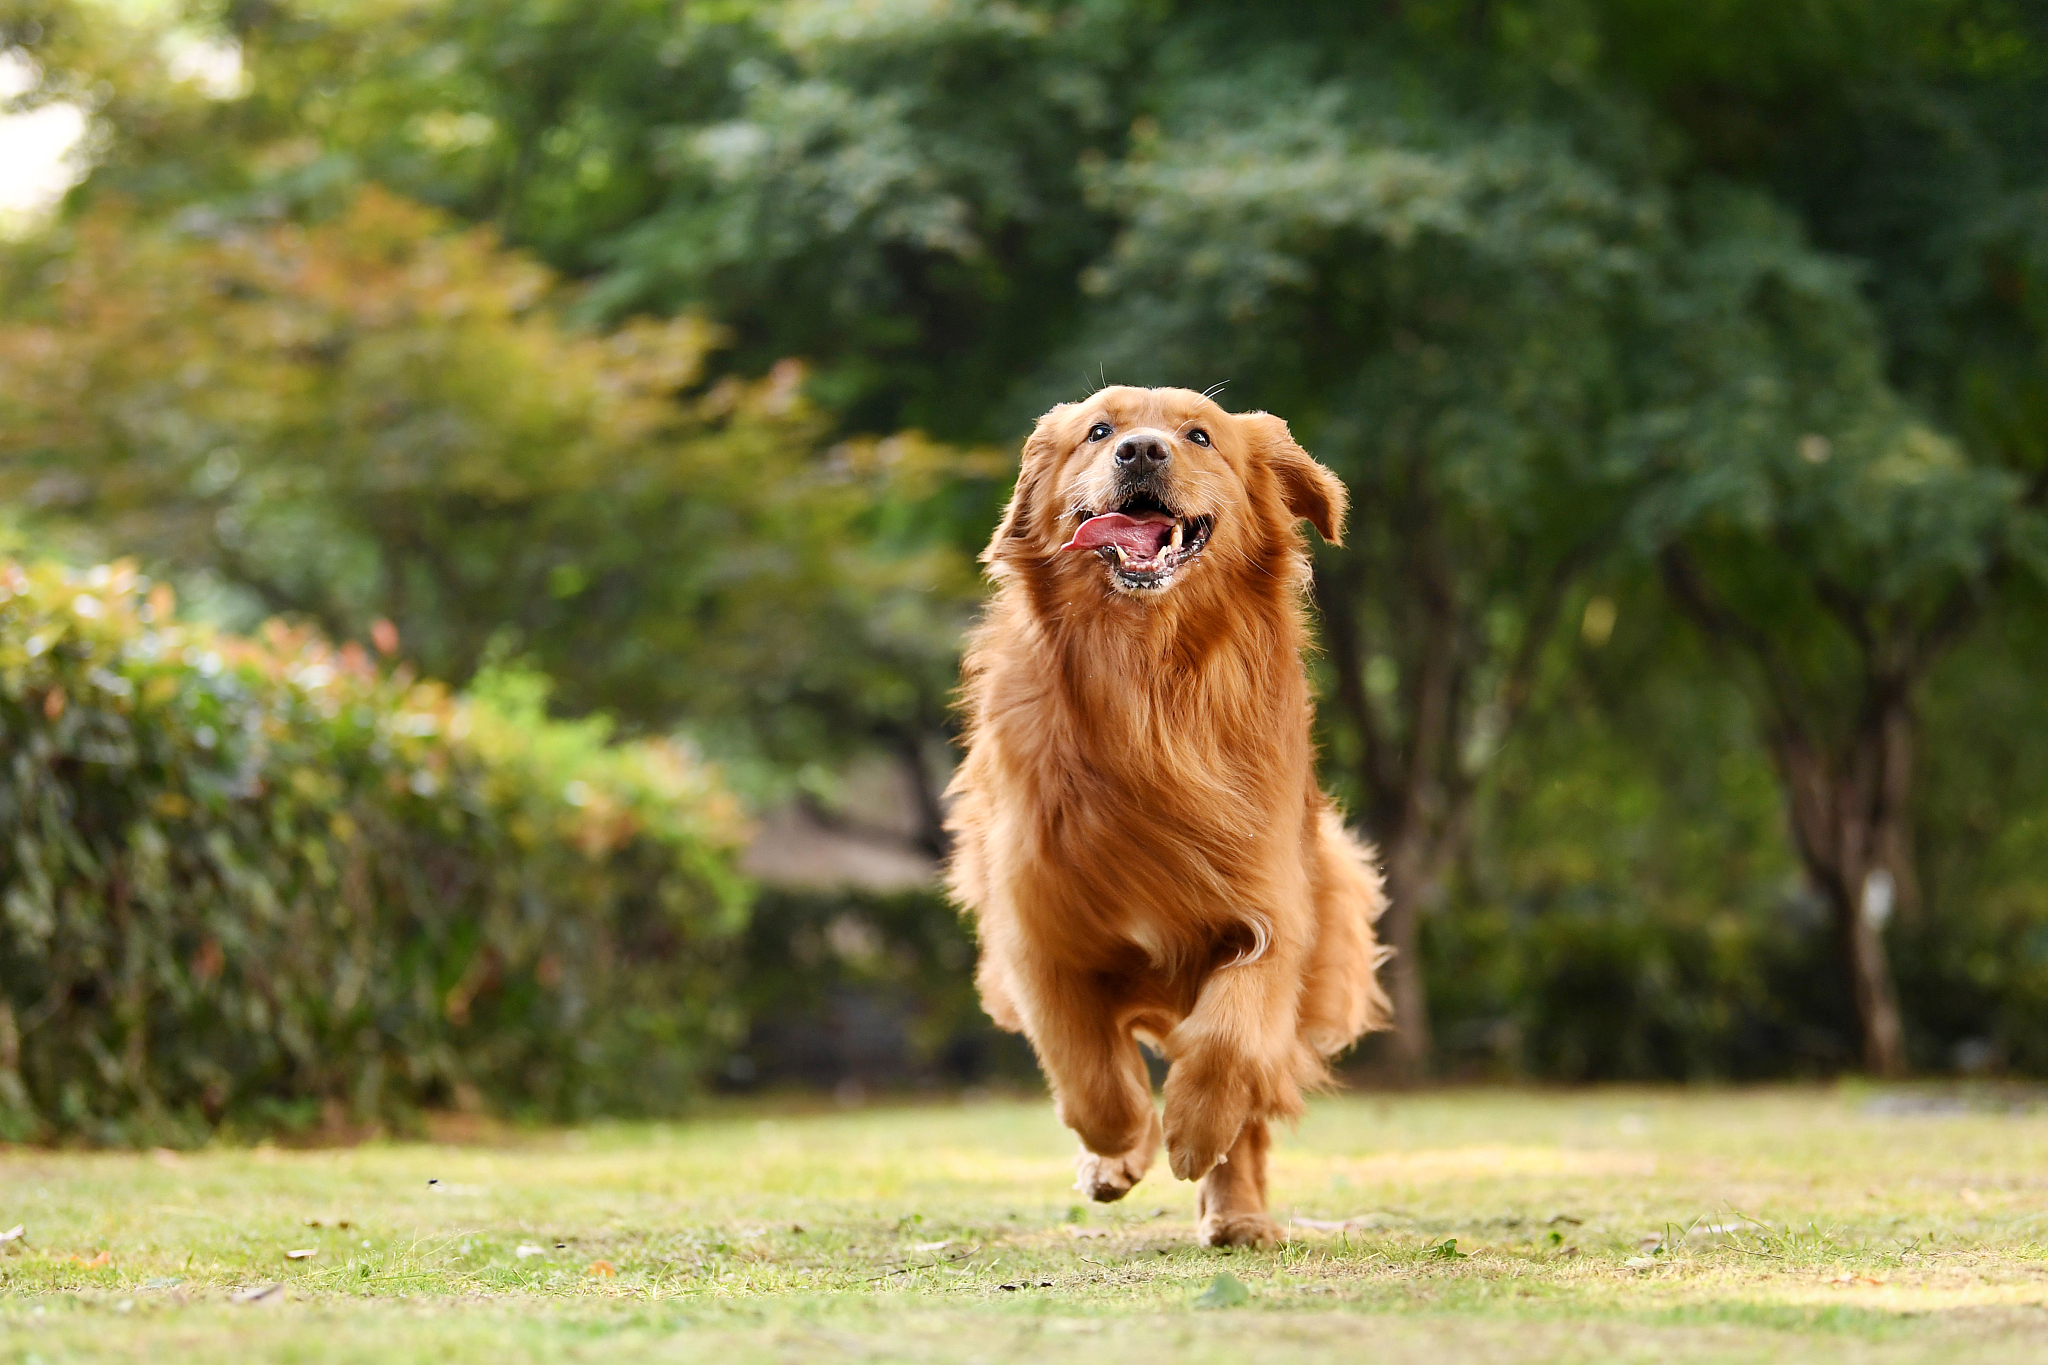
{"x": 1137, "y": 828}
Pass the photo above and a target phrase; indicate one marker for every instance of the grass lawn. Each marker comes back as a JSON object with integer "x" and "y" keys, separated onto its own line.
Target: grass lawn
{"x": 1771, "y": 1225}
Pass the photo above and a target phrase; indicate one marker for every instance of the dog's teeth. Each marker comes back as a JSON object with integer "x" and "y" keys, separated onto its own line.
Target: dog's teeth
{"x": 1123, "y": 561}
{"x": 1176, "y": 535}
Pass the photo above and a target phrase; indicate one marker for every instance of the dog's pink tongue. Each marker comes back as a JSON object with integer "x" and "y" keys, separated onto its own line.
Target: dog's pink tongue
{"x": 1140, "y": 536}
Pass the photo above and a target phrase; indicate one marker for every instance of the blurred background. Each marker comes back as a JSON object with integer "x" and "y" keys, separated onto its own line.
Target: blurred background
{"x": 490, "y": 491}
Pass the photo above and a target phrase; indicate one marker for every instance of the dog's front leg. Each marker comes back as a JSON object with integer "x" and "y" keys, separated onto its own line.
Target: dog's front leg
{"x": 1235, "y": 1058}
{"x": 1099, "y": 1083}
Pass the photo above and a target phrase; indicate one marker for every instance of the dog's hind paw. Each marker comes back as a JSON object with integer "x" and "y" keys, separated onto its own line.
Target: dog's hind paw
{"x": 1239, "y": 1230}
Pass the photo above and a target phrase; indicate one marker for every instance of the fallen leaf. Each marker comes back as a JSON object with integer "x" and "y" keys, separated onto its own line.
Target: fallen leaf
{"x": 603, "y": 1269}
{"x": 1447, "y": 1250}
{"x": 941, "y": 1246}
{"x": 104, "y": 1258}
{"x": 1073, "y": 1231}
{"x": 1640, "y": 1263}
{"x": 1225, "y": 1291}
{"x": 1972, "y": 1198}
{"x": 302, "y": 1254}
{"x": 526, "y": 1249}
{"x": 259, "y": 1294}
{"x": 13, "y": 1234}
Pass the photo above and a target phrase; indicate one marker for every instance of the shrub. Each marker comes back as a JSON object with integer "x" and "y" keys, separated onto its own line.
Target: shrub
{"x": 273, "y": 882}
{"x": 866, "y": 986}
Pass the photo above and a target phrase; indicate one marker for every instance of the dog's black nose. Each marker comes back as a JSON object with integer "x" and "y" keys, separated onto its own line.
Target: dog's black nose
{"x": 1141, "y": 454}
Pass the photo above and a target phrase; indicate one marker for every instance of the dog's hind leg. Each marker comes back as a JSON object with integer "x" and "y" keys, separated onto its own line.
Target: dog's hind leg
{"x": 1341, "y": 996}
{"x": 1230, "y": 1203}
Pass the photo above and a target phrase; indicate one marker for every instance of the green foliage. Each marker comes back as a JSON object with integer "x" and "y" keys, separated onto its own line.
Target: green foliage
{"x": 1744, "y": 296}
{"x": 1772, "y": 449}
{"x": 1628, "y": 912}
{"x": 878, "y": 988}
{"x": 379, "y": 415}
{"x": 1973, "y": 960}
{"x": 272, "y": 882}
{"x": 1440, "y": 309}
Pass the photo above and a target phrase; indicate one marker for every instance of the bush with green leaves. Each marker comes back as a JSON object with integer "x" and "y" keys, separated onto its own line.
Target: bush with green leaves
{"x": 274, "y": 883}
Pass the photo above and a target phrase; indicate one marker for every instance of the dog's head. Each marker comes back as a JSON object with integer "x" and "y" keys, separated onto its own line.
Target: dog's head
{"x": 1145, "y": 489}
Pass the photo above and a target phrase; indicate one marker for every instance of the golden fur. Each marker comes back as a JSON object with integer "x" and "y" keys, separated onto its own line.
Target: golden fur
{"x": 1137, "y": 828}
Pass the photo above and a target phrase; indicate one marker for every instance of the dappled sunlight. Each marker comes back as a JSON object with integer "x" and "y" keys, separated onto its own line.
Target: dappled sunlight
{"x": 496, "y": 499}
{"x": 962, "y": 1218}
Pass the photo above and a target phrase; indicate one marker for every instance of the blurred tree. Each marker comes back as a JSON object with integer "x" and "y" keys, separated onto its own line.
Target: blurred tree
{"x": 379, "y": 416}
{"x": 1818, "y": 530}
{"x": 1526, "y": 271}
{"x": 1630, "y": 908}
{"x": 552, "y": 123}
{"x": 911, "y": 173}
{"x": 1883, "y": 464}
{"x": 1436, "y": 308}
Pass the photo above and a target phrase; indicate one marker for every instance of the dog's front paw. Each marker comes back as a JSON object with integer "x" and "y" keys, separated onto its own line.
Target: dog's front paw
{"x": 1239, "y": 1230}
{"x": 1106, "y": 1179}
{"x": 1205, "y": 1109}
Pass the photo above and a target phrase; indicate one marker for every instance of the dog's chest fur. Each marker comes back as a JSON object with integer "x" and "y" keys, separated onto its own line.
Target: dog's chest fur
{"x": 1150, "y": 806}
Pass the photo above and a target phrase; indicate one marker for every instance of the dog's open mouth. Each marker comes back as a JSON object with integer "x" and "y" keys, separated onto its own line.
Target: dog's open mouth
{"x": 1142, "y": 540}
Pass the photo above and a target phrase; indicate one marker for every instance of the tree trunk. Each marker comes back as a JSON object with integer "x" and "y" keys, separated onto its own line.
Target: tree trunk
{"x": 1848, "y": 796}
{"x": 1870, "y": 979}
{"x": 1406, "y": 1053}
{"x": 926, "y": 793}
{"x": 1849, "y": 824}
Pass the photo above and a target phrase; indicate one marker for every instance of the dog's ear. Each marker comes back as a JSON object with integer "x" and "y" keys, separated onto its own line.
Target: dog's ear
{"x": 1041, "y": 450}
{"x": 1309, "y": 489}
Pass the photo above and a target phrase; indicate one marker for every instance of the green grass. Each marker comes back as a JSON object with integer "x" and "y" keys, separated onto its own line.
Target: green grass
{"x": 1486, "y": 1226}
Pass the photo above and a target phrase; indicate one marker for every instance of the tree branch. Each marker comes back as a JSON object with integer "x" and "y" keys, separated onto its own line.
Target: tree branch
{"x": 276, "y": 597}
{"x": 1688, "y": 587}
{"x": 1520, "y": 679}
{"x": 1848, "y": 608}
{"x": 1347, "y": 653}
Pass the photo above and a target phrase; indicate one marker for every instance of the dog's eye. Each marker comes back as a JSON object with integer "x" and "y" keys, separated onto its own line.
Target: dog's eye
{"x": 1199, "y": 436}
{"x": 1101, "y": 431}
